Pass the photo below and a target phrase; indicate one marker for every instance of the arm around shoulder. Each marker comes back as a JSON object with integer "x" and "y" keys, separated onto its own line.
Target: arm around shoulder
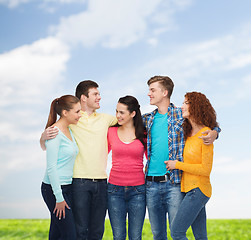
{"x": 210, "y": 135}
{"x": 112, "y": 120}
{"x": 49, "y": 133}
{"x": 42, "y": 143}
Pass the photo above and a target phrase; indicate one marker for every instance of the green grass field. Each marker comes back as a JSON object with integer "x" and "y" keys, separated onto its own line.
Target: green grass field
{"x": 38, "y": 230}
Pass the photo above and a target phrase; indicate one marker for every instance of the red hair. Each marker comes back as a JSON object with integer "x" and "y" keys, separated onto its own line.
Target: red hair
{"x": 200, "y": 111}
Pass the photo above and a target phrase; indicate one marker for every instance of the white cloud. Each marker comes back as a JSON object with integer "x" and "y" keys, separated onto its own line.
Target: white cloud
{"x": 153, "y": 41}
{"x": 30, "y": 76}
{"x": 30, "y": 69}
{"x": 192, "y": 66}
{"x": 51, "y": 6}
{"x": 118, "y": 23}
{"x": 13, "y": 3}
{"x": 112, "y": 23}
{"x": 182, "y": 4}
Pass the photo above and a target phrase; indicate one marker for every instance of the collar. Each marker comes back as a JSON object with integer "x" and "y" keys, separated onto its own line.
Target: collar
{"x": 85, "y": 114}
{"x": 171, "y": 105}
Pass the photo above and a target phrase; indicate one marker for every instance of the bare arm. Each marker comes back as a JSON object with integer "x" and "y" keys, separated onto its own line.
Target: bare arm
{"x": 47, "y": 134}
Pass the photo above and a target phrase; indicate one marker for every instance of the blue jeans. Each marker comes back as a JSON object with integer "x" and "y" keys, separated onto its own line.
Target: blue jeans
{"x": 64, "y": 228}
{"x": 89, "y": 208}
{"x": 123, "y": 200}
{"x": 162, "y": 198}
{"x": 192, "y": 213}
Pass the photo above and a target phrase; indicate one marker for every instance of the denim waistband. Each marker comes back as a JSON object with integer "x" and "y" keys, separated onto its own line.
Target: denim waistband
{"x": 90, "y": 179}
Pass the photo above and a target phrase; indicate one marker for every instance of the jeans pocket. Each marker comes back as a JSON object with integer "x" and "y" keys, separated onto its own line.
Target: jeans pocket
{"x": 174, "y": 184}
{"x": 193, "y": 193}
{"x": 149, "y": 184}
{"x": 111, "y": 188}
{"x": 104, "y": 184}
{"x": 79, "y": 185}
{"x": 140, "y": 189}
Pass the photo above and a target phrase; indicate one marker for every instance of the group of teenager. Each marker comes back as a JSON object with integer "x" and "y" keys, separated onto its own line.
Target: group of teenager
{"x": 177, "y": 143}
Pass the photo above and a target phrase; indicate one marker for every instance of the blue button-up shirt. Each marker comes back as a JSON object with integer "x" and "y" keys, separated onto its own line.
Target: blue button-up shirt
{"x": 175, "y": 138}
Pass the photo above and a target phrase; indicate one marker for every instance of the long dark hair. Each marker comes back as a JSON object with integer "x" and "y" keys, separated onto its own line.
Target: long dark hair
{"x": 200, "y": 111}
{"x": 133, "y": 105}
{"x": 65, "y": 102}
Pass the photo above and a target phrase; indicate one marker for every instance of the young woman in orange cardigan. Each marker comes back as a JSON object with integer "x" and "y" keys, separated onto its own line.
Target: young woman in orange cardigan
{"x": 199, "y": 117}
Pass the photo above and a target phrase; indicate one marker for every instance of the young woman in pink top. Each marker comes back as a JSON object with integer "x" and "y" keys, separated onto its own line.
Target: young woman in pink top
{"x": 126, "y": 185}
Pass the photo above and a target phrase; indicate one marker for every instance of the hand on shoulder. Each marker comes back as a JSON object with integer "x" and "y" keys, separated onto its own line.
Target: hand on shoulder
{"x": 49, "y": 133}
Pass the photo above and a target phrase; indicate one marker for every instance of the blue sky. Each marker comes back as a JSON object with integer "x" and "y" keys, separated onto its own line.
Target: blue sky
{"x": 48, "y": 46}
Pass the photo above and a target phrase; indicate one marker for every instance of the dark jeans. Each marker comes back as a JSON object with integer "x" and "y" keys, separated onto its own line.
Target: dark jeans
{"x": 90, "y": 204}
{"x": 129, "y": 200}
{"x": 64, "y": 228}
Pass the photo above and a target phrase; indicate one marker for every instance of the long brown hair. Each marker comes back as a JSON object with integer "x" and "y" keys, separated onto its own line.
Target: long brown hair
{"x": 200, "y": 111}
{"x": 133, "y": 105}
{"x": 65, "y": 102}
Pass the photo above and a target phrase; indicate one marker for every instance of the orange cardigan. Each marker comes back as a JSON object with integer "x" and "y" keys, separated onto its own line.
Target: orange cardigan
{"x": 197, "y": 165}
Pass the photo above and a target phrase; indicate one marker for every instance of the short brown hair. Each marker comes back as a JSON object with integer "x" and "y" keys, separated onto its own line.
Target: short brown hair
{"x": 165, "y": 81}
{"x": 84, "y": 87}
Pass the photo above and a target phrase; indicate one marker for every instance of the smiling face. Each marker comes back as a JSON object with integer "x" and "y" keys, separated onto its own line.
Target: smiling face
{"x": 92, "y": 101}
{"x": 73, "y": 115}
{"x": 123, "y": 115}
{"x": 185, "y": 109}
{"x": 156, "y": 93}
